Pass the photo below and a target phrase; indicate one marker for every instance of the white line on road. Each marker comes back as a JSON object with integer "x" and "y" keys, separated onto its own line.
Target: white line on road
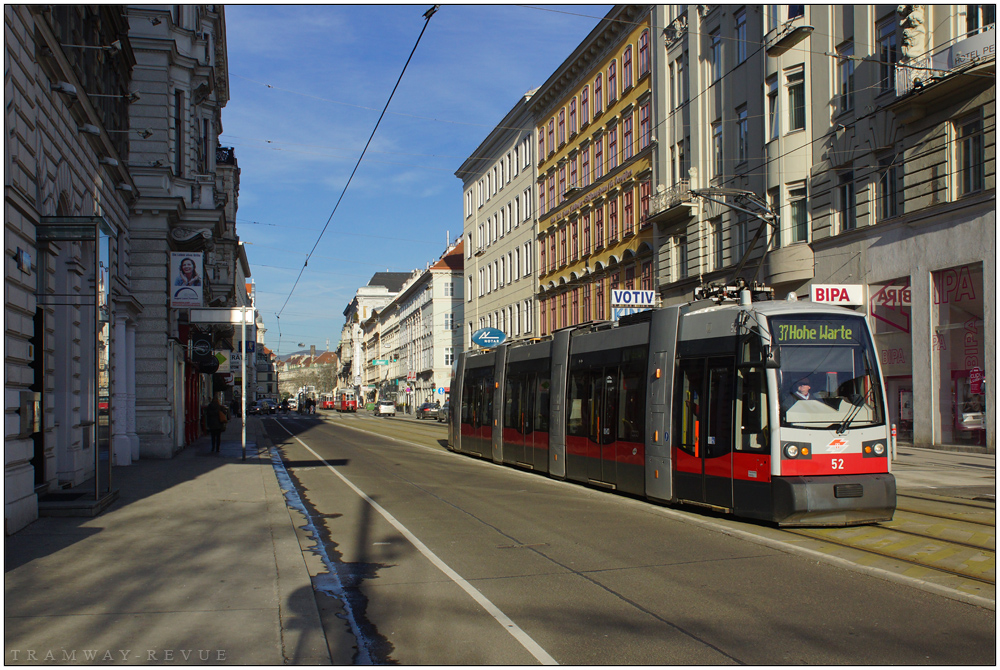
{"x": 526, "y": 641}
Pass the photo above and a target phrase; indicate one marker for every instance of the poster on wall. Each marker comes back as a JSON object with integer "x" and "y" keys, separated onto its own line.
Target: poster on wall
{"x": 186, "y": 279}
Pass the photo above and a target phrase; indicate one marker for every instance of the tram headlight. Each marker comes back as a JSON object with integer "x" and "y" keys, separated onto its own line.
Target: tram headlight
{"x": 796, "y": 450}
{"x": 873, "y": 449}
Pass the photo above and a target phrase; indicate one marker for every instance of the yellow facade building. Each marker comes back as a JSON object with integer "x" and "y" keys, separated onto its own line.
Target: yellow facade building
{"x": 595, "y": 142}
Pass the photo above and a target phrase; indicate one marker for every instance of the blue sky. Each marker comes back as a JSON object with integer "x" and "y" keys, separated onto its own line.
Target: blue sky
{"x": 307, "y": 85}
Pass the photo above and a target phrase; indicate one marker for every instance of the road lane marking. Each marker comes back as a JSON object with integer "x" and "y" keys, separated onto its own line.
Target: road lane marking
{"x": 526, "y": 641}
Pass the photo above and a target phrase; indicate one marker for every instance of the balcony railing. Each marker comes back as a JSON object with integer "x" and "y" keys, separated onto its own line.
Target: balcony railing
{"x": 663, "y": 201}
{"x": 975, "y": 46}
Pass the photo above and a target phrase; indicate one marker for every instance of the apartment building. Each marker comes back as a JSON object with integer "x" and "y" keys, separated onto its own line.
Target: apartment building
{"x": 381, "y": 289}
{"x": 499, "y": 228}
{"x": 862, "y": 140}
{"x": 595, "y": 156}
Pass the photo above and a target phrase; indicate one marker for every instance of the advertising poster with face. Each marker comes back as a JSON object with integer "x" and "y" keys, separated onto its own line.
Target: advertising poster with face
{"x": 185, "y": 279}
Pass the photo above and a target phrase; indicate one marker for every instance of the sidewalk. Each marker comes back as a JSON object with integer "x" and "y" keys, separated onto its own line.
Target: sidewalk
{"x": 197, "y": 562}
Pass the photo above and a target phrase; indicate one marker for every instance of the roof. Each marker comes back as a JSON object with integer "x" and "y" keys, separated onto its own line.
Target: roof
{"x": 390, "y": 280}
{"x": 453, "y": 259}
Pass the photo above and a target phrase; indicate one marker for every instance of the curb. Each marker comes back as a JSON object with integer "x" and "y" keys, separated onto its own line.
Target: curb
{"x": 303, "y": 638}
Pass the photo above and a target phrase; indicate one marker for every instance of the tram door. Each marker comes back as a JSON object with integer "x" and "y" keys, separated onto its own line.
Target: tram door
{"x": 517, "y": 419}
{"x": 603, "y": 429}
{"x": 703, "y": 431}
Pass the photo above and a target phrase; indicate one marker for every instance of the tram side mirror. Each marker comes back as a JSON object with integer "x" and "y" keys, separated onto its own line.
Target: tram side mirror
{"x": 753, "y": 354}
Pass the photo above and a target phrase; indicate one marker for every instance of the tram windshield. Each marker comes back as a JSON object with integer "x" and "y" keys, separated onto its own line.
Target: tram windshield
{"x": 828, "y": 376}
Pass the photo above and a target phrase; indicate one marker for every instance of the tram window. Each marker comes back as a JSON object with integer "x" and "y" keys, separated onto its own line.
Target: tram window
{"x": 719, "y": 421}
{"x": 579, "y": 404}
{"x": 632, "y": 405}
{"x": 687, "y": 428}
{"x": 752, "y": 410}
{"x": 512, "y": 402}
{"x": 541, "y": 422}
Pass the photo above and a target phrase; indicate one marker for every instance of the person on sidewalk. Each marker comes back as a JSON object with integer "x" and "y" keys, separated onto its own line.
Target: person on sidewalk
{"x": 216, "y": 419}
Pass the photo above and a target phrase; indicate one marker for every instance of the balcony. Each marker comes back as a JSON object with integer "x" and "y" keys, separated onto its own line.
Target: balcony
{"x": 673, "y": 204}
{"x": 975, "y": 47}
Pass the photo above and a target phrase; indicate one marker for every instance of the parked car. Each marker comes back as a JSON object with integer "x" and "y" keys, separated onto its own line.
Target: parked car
{"x": 428, "y": 410}
{"x": 443, "y": 411}
{"x": 385, "y": 408}
{"x": 265, "y": 406}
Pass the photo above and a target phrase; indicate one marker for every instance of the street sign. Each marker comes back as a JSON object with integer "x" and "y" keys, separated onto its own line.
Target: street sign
{"x": 379, "y": 361}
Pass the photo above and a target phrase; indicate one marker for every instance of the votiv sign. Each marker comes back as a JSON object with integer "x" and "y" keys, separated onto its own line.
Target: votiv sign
{"x": 627, "y": 301}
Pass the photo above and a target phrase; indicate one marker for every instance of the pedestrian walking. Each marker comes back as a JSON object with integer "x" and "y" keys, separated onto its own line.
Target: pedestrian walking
{"x": 216, "y": 419}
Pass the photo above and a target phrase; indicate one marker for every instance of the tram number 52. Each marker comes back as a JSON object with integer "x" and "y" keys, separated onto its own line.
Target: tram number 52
{"x": 837, "y": 463}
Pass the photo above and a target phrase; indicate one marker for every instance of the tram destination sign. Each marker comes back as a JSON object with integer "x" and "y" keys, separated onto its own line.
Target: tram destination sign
{"x": 816, "y": 331}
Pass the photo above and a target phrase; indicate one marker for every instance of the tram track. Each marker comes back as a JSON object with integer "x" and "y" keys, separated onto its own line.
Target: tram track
{"x": 961, "y": 548}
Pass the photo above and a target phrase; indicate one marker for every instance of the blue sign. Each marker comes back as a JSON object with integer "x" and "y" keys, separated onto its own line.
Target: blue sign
{"x": 489, "y": 337}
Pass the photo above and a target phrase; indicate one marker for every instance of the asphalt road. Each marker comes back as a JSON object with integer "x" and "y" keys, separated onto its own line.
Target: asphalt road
{"x": 430, "y": 557}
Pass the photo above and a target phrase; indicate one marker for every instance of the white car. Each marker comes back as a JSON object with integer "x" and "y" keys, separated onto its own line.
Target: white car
{"x": 385, "y": 408}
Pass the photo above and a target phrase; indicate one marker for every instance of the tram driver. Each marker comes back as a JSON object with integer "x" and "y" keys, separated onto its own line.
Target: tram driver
{"x": 801, "y": 389}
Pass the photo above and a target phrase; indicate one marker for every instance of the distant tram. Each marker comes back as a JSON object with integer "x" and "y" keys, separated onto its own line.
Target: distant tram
{"x": 326, "y": 401}
{"x": 763, "y": 409}
{"x": 345, "y": 400}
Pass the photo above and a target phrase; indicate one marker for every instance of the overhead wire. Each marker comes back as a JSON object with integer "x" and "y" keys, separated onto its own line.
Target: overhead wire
{"x": 427, "y": 19}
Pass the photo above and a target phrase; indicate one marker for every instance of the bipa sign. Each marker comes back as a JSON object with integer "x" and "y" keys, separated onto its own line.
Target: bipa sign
{"x": 849, "y": 295}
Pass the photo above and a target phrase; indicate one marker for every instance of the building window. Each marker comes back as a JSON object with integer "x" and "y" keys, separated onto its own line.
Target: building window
{"x": 846, "y": 201}
{"x": 572, "y": 173}
{"x": 971, "y": 157}
{"x": 773, "y": 117}
{"x": 627, "y": 144}
{"x": 562, "y": 246}
{"x": 599, "y": 227}
{"x": 645, "y": 191}
{"x": 714, "y": 251}
{"x": 681, "y": 249}
{"x": 585, "y": 165}
{"x": 562, "y": 126}
{"x": 645, "y": 129}
{"x": 717, "y": 148}
{"x": 598, "y": 94}
{"x": 449, "y": 289}
{"x": 888, "y": 54}
{"x": 572, "y": 116}
{"x": 644, "y": 53}
{"x": 599, "y": 299}
{"x": 541, "y": 143}
{"x": 845, "y": 76}
{"x": 628, "y": 212}
{"x": 562, "y": 183}
{"x": 449, "y": 321}
{"x": 798, "y": 212}
{"x": 586, "y": 234}
{"x": 888, "y": 192}
{"x": 979, "y": 16}
{"x": 741, "y": 36}
{"x": 585, "y": 313}
{"x": 627, "y": 68}
{"x": 574, "y": 246}
{"x": 574, "y": 314}
{"x": 742, "y": 139}
{"x": 613, "y": 219}
{"x": 552, "y": 252}
{"x": 552, "y": 192}
{"x": 715, "y": 41}
{"x": 613, "y": 148}
{"x": 795, "y": 82}
{"x": 740, "y": 236}
{"x": 612, "y": 81}
{"x": 598, "y": 157}
{"x": 552, "y": 136}
{"x": 584, "y": 106}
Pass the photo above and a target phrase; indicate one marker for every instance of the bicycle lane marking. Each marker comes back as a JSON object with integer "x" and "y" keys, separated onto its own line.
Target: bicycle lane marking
{"x": 508, "y": 624}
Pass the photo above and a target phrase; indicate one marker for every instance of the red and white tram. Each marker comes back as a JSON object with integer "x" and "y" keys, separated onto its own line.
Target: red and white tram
{"x": 697, "y": 404}
{"x": 345, "y": 400}
{"x": 326, "y": 401}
